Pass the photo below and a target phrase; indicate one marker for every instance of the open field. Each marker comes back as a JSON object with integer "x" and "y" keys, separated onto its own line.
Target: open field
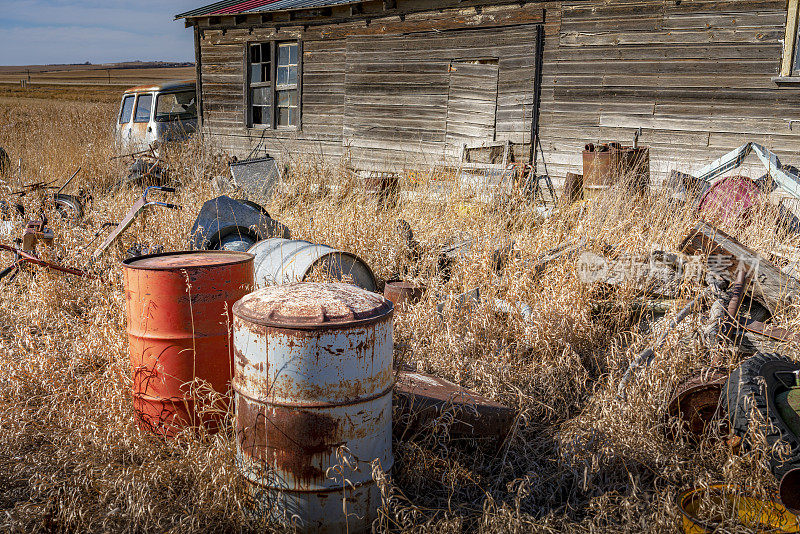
{"x": 76, "y": 93}
{"x": 117, "y": 74}
{"x": 577, "y": 460}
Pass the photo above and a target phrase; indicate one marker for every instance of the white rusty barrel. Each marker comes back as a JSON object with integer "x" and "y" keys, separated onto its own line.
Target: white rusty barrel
{"x": 282, "y": 261}
{"x": 313, "y": 381}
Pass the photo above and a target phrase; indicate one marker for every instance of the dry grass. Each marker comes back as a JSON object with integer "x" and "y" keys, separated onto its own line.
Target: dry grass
{"x": 74, "y": 93}
{"x": 578, "y": 460}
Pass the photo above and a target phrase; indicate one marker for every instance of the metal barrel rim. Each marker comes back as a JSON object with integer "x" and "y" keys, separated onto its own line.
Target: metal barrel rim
{"x": 241, "y": 257}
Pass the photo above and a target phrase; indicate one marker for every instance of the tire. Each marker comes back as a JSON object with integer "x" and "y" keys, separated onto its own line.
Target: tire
{"x": 256, "y": 207}
{"x": 69, "y": 206}
{"x": 753, "y": 386}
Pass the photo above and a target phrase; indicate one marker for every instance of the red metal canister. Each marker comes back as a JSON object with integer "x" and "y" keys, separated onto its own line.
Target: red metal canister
{"x": 178, "y": 307}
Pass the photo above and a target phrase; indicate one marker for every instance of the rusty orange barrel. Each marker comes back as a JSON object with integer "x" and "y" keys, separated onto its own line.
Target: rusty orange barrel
{"x": 178, "y": 307}
{"x": 313, "y": 382}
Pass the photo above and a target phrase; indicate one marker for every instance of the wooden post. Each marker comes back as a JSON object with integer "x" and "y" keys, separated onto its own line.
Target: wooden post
{"x": 790, "y": 38}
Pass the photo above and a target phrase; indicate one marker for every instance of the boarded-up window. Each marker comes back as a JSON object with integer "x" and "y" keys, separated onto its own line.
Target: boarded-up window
{"x": 472, "y": 101}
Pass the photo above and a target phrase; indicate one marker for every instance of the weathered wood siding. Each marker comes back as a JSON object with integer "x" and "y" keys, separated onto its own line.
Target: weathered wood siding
{"x": 695, "y": 75}
{"x": 380, "y": 92}
{"x": 401, "y": 93}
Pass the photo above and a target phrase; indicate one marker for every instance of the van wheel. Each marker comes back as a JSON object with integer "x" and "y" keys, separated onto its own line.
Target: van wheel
{"x": 754, "y": 386}
{"x": 69, "y": 206}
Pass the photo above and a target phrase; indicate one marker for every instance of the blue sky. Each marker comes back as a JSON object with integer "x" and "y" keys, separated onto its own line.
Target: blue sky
{"x": 36, "y": 32}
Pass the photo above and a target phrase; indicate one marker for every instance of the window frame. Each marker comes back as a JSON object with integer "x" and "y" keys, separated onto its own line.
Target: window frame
{"x": 154, "y": 112}
{"x": 272, "y": 84}
{"x": 136, "y": 108}
{"x": 790, "y": 68}
{"x": 122, "y": 109}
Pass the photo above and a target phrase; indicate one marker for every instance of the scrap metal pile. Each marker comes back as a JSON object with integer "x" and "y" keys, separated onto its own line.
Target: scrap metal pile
{"x": 309, "y": 368}
{"x": 744, "y": 293}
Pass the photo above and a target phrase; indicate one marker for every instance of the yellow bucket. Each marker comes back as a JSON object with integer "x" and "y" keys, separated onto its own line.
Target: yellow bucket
{"x": 761, "y": 516}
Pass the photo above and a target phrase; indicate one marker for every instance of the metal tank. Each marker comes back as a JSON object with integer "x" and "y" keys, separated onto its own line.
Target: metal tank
{"x": 282, "y": 261}
{"x": 313, "y": 387}
{"x": 178, "y": 307}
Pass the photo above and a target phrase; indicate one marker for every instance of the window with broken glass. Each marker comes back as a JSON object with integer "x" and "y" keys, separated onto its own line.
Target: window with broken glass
{"x": 273, "y": 72}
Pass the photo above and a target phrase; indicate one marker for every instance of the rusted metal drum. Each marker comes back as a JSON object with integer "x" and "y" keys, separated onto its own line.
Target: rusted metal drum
{"x": 401, "y": 293}
{"x": 573, "y": 188}
{"x": 605, "y": 165}
{"x": 282, "y": 261}
{"x": 178, "y": 307}
{"x": 599, "y": 166}
{"x": 696, "y": 400}
{"x": 313, "y": 381}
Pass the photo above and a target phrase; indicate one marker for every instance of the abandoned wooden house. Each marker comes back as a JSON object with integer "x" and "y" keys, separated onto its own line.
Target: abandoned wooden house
{"x": 397, "y": 84}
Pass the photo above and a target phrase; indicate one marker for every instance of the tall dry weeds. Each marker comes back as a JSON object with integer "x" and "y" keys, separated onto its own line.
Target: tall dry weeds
{"x": 578, "y": 459}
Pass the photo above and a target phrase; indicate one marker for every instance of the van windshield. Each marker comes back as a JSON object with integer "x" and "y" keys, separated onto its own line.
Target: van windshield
{"x": 175, "y": 106}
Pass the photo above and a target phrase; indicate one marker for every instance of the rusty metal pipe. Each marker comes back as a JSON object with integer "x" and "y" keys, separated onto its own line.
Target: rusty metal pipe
{"x": 738, "y": 292}
{"x": 30, "y": 258}
{"x": 789, "y": 491}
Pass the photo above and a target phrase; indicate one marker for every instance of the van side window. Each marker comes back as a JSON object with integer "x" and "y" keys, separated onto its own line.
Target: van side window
{"x": 143, "y": 106}
{"x": 175, "y": 106}
{"x": 127, "y": 110}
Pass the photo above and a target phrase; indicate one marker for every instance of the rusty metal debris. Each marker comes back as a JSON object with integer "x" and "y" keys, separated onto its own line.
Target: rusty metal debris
{"x": 146, "y": 168}
{"x": 35, "y": 232}
{"x": 696, "y": 399}
{"x": 606, "y": 164}
{"x": 770, "y": 287}
{"x": 68, "y": 206}
{"x": 140, "y": 204}
{"x": 422, "y": 399}
{"x": 403, "y": 293}
{"x": 21, "y": 256}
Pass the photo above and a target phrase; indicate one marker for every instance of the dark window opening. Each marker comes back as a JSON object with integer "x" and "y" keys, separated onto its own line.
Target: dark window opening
{"x": 143, "y": 107}
{"x": 273, "y": 71}
{"x": 127, "y": 110}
